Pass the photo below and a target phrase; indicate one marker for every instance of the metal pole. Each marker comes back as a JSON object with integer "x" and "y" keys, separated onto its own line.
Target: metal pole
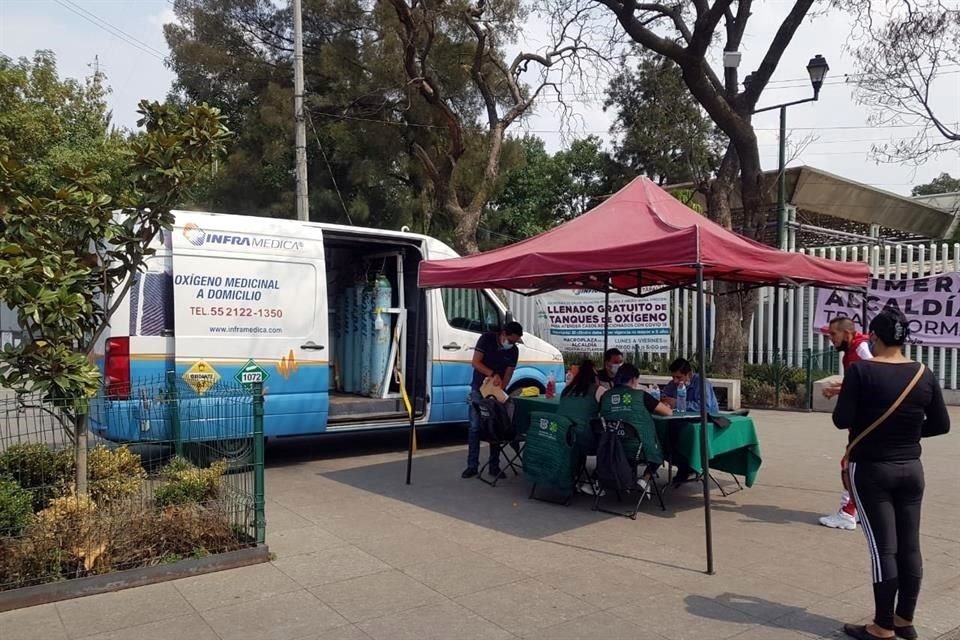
{"x": 303, "y": 206}
{"x": 420, "y": 308}
{"x": 781, "y": 223}
{"x": 606, "y": 319}
{"x": 259, "y": 502}
{"x": 704, "y": 447}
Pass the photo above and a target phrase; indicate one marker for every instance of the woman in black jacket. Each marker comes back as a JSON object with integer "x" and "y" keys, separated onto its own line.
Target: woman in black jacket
{"x": 886, "y": 475}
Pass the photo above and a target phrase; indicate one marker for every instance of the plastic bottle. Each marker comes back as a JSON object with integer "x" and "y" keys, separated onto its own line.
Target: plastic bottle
{"x": 682, "y": 398}
{"x": 551, "y": 386}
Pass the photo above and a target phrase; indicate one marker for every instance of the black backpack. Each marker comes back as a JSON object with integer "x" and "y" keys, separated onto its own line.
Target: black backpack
{"x": 495, "y": 422}
{"x": 614, "y": 470}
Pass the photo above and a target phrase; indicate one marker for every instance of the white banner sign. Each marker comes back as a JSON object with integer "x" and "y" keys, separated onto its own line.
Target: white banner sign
{"x": 576, "y": 321}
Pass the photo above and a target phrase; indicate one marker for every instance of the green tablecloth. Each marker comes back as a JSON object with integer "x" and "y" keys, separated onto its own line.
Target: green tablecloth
{"x": 734, "y": 449}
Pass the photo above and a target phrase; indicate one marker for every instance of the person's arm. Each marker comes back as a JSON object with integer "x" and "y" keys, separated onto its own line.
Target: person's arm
{"x": 845, "y": 412}
{"x": 656, "y": 407}
{"x": 511, "y": 367}
{"x": 506, "y": 377}
{"x": 478, "y": 363}
{"x": 713, "y": 405}
{"x": 863, "y": 351}
{"x": 937, "y": 420}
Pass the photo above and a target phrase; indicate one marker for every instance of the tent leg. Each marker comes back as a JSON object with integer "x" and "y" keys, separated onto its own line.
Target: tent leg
{"x": 606, "y": 319}
{"x": 704, "y": 448}
{"x": 417, "y": 341}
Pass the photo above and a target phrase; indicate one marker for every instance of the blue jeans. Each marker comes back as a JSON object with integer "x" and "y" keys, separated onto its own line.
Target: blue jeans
{"x": 473, "y": 438}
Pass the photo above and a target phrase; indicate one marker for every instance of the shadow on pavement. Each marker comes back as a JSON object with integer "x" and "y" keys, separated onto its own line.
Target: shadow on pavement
{"x": 772, "y": 614}
{"x": 770, "y": 514}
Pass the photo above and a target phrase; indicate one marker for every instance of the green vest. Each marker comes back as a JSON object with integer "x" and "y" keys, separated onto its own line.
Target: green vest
{"x": 626, "y": 404}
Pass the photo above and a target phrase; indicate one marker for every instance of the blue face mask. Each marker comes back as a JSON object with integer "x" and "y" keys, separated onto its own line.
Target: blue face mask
{"x": 505, "y": 344}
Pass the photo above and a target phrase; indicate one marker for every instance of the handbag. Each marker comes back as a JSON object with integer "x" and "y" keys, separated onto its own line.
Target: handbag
{"x": 886, "y": 414}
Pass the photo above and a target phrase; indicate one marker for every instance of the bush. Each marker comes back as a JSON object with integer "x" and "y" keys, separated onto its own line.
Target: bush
{"x": 776, "y": 374}
{"x": 40, "y": 470}
{"x": 114, "y": 475}
{"x": 188, "y": 484}
{"x": 757, "y": 393}
{"x": 16, "y": 508}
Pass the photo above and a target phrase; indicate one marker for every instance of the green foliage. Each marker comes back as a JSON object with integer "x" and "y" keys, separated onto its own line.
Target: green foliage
{"x": 16, "y": 508}
{"x": 57, "y": 126}
{"x": 187, "y": 484}
{"x": 43, "y": 472}
{"x": 70, "y": 246}
{"x": 944, "y": 183}
{"x": 776, "y": 374}
{"x": 115, "y": 475}
{"x": 667, "y": 135}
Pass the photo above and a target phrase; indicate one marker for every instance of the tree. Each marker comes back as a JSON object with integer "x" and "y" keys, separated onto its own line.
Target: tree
{"x": 944, "y": 183}
{"x": 684, "y": 32}
{"x": 237, "y": 56}
{"x": 473, "y": 35}
{"x": 665, "y": 133}
{"x": 546, "y": 190}
{"x": 902, "y": 62}
{"x": 52, "y": 124}
{"x": 71, "y": 245}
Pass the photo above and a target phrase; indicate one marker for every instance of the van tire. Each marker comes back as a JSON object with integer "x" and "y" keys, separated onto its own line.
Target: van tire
{"x": 236, "y": 452}
{"x": 517, "y": 387}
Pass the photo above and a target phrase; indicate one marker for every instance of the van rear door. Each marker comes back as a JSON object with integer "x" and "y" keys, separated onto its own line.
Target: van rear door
{"x": 250, "y": 299}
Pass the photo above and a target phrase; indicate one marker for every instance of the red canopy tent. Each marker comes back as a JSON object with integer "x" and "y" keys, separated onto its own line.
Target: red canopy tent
{"x": 641, "y": 237}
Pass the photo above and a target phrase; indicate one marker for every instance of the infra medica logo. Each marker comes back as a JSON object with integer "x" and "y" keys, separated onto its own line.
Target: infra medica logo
{"x": 194, "y": 234}
{"x": 198, "y": 238}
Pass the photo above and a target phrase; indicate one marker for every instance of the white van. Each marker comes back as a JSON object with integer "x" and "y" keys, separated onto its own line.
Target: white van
{"x": 245, "y": 299}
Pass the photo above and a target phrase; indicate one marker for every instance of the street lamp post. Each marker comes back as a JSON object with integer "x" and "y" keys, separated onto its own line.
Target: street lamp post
{"x": 817, "y": 70}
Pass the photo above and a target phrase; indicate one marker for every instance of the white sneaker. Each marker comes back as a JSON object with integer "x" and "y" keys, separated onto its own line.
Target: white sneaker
{"x": 839, "y": 520}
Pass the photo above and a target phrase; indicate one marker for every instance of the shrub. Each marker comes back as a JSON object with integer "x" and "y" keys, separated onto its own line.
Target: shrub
{"x": 72, "y": 521}
{"x": 188, "y": 484}
{"x": 16, "y": 508}
{"x": 114, "y": 475}
{"x": 42, "y": 471}
{"x": 776, "y": 374}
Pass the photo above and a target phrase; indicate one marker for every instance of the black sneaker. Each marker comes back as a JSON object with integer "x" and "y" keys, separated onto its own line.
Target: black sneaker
{"x": 496, "y": 473}
{"x": 469, "y": 472}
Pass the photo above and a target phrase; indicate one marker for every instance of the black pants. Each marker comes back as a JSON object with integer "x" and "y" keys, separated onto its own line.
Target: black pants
{"x": 888, "y": 496}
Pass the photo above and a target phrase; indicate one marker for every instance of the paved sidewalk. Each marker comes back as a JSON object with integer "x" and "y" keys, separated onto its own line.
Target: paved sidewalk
{"x": 361, "y": 556}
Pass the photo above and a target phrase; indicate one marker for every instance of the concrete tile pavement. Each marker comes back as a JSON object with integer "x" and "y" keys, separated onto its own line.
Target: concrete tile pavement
{"x": 361, "y": 556}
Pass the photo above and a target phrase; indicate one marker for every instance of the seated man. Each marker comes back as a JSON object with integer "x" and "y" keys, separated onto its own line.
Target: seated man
{"x": 612, "y": 361}
{"x": 682, "y": 373}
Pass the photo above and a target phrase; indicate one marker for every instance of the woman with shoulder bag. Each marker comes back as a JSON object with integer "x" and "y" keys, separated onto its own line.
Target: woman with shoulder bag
{"x": 889, "y": 404}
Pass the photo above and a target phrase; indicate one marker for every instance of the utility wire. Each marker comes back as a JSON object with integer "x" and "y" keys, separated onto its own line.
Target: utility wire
{"x": 111, "y": 29}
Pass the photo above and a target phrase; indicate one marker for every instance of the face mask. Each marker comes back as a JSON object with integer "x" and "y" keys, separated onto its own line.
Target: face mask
{"x": 614, "y": 368}
{"x": 505, "y": 344}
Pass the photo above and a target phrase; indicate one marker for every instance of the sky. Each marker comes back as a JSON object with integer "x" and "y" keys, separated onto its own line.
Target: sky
{"x": 125, "y": 37}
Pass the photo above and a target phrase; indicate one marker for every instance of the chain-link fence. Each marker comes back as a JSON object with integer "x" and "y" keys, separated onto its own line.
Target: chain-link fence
{"x": 158, "y": 473}
{"x": 775, "y": 383}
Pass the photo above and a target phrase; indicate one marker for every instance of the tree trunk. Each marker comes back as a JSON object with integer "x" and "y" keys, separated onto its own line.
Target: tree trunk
{"x": 80, "y": 445}
{"x": 465, "y": 231}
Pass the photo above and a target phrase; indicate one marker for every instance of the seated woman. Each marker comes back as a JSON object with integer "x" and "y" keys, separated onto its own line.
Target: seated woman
{"x": 583, "y": 384}
{"x": 628, "y": 402}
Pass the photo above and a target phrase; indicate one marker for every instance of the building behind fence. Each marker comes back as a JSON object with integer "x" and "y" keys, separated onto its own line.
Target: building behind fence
{"x": 797, "y": 341}
{"x": 174, "y": 494}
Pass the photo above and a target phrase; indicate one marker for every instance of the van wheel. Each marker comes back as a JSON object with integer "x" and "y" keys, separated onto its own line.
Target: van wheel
{"x": 236, "y": 452}
{"x": 517, "y": 387}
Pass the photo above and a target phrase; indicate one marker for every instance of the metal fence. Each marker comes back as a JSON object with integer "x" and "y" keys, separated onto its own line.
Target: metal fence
{"x": 797, "y": 336}
{"x": 169, "y": 474}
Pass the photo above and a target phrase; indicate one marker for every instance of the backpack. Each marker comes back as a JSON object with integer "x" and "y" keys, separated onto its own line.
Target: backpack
{"x": 495, "y": 422}
{"x": 614, "y": 470}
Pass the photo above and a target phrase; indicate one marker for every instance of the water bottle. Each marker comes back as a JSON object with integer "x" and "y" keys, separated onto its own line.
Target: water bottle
{"x": 551, "y": 386}
{"x": 682, "y": 398}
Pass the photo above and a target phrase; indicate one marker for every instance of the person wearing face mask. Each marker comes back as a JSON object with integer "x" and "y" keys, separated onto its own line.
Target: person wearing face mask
{"x": 495, "y": 357}
{"x": 612, "y": 361}
{"x": 855, "y": 347}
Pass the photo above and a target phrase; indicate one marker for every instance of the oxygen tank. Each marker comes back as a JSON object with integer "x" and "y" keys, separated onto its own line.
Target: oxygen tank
{"x": 382, "y": 330}
{"x": 366, "y": 339}
{"x": 338, "y": 336}
{"x": 356, "y": 322}
{"x": 349, "y": 339}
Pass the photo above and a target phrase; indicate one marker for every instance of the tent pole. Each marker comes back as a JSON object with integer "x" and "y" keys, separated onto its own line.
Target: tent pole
{"x": 704, "y": 448}
{"x": 417, "y": 341}
{"x": 606, "y": 317}
{"x": 863, "y": 311}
